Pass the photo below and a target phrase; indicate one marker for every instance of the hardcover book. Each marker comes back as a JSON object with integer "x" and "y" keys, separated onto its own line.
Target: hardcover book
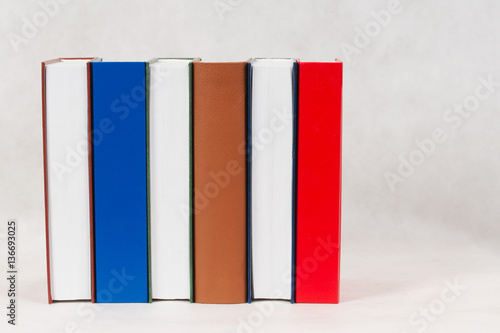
{"x": 272, "y": 133}
{"x": 169, "y": 83}
{"x": 66, "y": 100}
{"x": 319, "y": 182}
{"x": 119, "y": 135}
{"x": 219, "y": 211}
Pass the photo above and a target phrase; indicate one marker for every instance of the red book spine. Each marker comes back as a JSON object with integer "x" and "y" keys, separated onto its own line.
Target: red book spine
{"x": 319, "y": 182}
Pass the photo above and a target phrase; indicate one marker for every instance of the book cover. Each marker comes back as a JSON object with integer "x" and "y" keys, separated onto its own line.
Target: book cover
{"x": 169, "y": 104}
{"x": 67, "y": 180}
{"x": 119, "y": 132}
{"x": 271, "y": 173}
{"x": 319, "y": 182}
{"x": 219, "y": 207}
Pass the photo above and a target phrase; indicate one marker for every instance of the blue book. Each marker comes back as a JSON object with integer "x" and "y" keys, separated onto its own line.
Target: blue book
{"x": 119, "y": 132}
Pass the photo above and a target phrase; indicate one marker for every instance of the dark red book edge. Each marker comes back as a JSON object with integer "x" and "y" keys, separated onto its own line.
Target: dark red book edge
{"x": 45, "y": 171}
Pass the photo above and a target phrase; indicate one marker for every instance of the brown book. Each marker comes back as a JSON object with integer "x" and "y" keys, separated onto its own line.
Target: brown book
{"x": 220, "y": 244}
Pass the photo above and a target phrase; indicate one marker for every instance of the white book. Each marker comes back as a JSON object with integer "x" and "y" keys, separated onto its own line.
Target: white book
{"x": 272, "y": 141}
{"x": 67, "y": 171}
{"x": 169, "y": 165}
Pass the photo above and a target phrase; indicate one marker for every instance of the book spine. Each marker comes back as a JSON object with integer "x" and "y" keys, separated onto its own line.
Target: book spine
{"x": 45, "y": 181}
{"x": 120, "y": 182}
{"x": 249, "y": 182}
{"x": 91, "y": 182}
{"x": 148, "y": 176}
{"x": 294, "y": 173}
{"x": 219, "y": 182}
{"x": 191, "y": 185}
{"x": 319, "y": 183}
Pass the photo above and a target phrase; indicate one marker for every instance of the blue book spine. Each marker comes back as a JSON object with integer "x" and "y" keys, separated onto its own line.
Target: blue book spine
{"x": 120, "y": 182}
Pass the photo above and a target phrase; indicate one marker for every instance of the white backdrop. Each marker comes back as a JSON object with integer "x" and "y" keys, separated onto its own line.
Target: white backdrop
{"x": 420, "y": 252}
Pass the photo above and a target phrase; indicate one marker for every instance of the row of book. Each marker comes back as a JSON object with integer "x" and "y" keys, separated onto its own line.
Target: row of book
{"x": 183, "y": 179}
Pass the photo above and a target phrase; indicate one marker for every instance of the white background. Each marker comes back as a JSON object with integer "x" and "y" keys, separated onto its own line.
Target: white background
{"x": 399, "y": 247}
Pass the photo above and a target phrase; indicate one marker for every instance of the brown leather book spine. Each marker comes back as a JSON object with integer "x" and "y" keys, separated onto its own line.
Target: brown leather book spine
{"x": 220, "y": 247}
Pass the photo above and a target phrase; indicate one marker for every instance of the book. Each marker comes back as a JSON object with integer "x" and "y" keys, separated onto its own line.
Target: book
{"x": 67, "y": 182}
{"x": 170, "y": 167}
{"x": 272, "y": 172}
{"x": 219, "y": 207}
{"x": 319, "y": 182}
{"x": 119, "y": 132}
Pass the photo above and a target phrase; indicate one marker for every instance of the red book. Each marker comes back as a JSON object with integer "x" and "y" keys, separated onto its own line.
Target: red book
{"x": 319, "y": 182}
